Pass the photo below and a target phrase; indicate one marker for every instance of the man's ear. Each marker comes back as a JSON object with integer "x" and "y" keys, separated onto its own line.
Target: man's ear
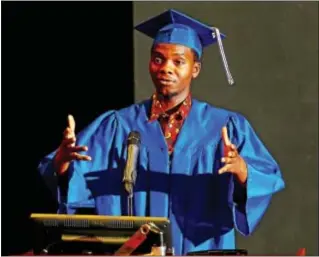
{"x": 196, "y": 69}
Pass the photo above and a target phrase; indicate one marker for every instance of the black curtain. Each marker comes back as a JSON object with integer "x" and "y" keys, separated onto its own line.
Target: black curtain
{"x": 57, "y": 58}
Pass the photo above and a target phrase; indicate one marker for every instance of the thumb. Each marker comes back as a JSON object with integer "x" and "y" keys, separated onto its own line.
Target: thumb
{"x": 225, "y": 136}
{"x": 71, "y": 122}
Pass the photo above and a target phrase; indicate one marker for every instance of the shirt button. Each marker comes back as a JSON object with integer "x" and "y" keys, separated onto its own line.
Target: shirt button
{"x": 168, "y": 135}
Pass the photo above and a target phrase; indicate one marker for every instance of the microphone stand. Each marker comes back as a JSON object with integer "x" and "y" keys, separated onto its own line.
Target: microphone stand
{"x": 130, "y": 199}
{"x": 129, "y": 183}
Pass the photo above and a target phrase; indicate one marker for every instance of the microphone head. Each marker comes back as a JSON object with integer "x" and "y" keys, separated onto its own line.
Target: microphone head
{"x": 134, "y": 138}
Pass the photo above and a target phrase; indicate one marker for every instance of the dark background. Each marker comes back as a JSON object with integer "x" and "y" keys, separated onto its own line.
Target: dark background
{"x": 57, "y": 58}
{"x": 60, "y": 58}
{"x": 272, "y": 52}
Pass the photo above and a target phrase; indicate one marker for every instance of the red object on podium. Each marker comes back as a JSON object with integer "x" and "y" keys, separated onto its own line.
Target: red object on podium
{"x": 301, "y": 252}
{"x": 30, "y": 253}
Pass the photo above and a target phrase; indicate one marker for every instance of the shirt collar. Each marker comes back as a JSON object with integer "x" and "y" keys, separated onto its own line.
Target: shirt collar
{"x": 157, "y": 110}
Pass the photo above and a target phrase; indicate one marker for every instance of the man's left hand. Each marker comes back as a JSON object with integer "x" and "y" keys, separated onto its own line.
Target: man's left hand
{"x": 234, "y": 163}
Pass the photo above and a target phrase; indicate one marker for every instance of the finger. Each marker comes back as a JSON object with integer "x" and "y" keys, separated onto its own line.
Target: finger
{"x": 80, "y": 157}
{"x": 232, "y": 154}
{"x": 78, "y": 148}
{"x": 233, "y": 147}
{"x": 69, "y": 138}
{"x": 71, "y": 123}
{"x": 226, "y": 168}
{"x": 68, "y": 133}
{"x": 228, "y": 160}
{"x": 225, "y": 136}
{"x": 69, "y": 142}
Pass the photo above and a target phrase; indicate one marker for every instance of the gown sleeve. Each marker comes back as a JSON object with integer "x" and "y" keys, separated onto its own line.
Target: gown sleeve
{"x": 70, "y": 190}
{"x": 264, "y": 176}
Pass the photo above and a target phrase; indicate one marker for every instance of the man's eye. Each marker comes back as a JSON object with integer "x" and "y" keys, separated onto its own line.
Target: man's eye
{"x": 179, "y": 62}
{"x": 158, "y": 60}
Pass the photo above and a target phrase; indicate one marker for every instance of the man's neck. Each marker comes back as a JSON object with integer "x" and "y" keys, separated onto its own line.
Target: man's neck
{"x": 169, "y": 103}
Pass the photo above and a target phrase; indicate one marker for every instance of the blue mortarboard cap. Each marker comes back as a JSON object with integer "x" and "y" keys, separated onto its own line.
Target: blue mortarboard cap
{"x": 175, "y": 27}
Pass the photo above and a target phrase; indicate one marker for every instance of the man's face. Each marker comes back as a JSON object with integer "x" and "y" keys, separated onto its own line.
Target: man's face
{"x": 172, "y": 67}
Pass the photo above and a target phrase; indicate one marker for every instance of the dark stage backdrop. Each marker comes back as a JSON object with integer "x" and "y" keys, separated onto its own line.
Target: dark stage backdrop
{"x": 272, "y": 50}
{"x": 57, "y": 58}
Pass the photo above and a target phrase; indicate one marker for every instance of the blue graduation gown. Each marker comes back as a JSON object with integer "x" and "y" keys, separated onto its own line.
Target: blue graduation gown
{"x": 200, "y": 203}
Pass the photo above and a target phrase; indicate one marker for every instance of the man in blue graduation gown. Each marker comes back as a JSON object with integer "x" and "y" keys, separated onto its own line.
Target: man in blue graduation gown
{"x": 202, "y": 167}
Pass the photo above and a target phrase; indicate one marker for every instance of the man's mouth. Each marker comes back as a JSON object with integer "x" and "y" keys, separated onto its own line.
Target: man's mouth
{"x": 165, "y": 81}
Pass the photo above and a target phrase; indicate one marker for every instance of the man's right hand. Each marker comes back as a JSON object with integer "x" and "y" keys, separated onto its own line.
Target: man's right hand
{"x": 67, "y": 150}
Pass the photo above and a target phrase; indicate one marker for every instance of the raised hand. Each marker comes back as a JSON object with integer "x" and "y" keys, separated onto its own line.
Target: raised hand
{"x": 68, "y": 151}
{"x": 234, "y": 163}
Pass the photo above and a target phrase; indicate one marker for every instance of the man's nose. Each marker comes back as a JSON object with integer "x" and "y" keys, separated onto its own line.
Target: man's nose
{"x": 167, "y": 68}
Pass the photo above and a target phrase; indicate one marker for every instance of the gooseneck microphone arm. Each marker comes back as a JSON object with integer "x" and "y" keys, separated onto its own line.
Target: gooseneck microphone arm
{"x": 130, "y": 171}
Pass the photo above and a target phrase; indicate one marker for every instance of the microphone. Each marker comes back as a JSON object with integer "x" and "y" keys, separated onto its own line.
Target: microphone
{"x": 129, "y": 177}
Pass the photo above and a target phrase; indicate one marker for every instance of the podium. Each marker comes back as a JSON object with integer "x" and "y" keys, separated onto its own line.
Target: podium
{"x": 57, "y": 234}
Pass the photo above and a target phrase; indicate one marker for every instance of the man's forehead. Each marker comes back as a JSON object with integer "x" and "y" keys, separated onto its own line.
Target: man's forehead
{"x": 173, "y": 49}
